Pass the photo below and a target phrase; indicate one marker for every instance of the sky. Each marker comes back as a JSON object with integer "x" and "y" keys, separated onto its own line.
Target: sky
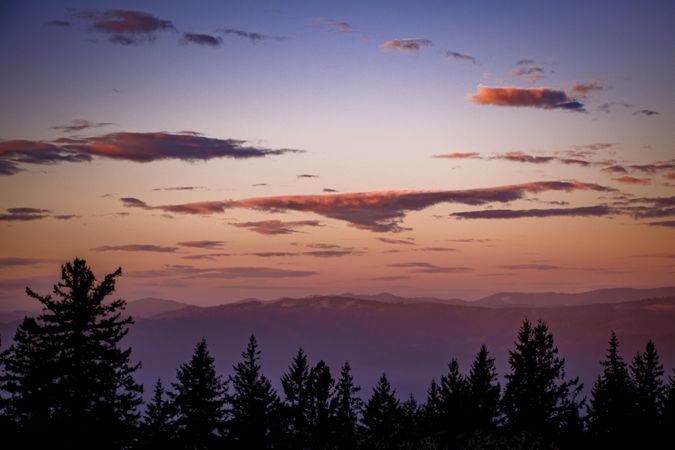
{"x": 221, "y": 150}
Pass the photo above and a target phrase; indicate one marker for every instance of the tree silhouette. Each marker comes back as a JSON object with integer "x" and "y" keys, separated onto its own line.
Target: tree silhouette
{"x": 538, "y": 400}
{"x": 482, "y": 393}
{"x": 87, "y": 390}
{"x": 255, "y": 405}
{"x": 295, "y": 384}
{"x": 346, "y": 407}
{"x": 647, "y": 374}
{"x": 158, "y": 429}
{"x": 198, "y": 400}
{"x": 381, "y": 417}
{"x": 453, "y": 405}
{"x": 611, "y": 411}
{"x": 668, "y": 420}
{"x": 320, "y": 390}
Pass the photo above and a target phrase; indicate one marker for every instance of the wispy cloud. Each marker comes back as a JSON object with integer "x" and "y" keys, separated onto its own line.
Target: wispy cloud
{"x": 406, "y": 45}
{"x": 273, "y": 227}
{"x": 424, "y": 267}
{"x": 544, "y": 98}
{"x": 646, "y": 112}
{"x": 529, "y": 267}
{"x": 130, "y": 146}
{"x": 396, "y": 241}
{"x": 529, "y": 72}
{"x": 627, "y": 179}
{"x": 136, "y": 248}
{"x": 460, "y": 56}
{"x": 584, "y": 89}
{"x": 584, "y": 211}
{"x": 205, "y": 40}
{"x": 375, "y": 211}
{"x": 252, "y": 36}
{"x": 458, "y": 155}
{"x": 80, "y": 124}
{"x": 205, "y": 244}
{"x": 24, "y": 214}
{"x": 126, "y": 27}
{"x": 332, "y": 24}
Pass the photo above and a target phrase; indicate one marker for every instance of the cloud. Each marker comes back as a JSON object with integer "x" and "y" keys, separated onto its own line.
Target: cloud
{"x": 24, "y": 214}
{"x": 460, "y": 56}
{"x": 14, "y": 262}
{"x": 131, "y": 202}
{"x": 307, "y": 175}
{"x": 252, "y": 36}
{"x": 664, "y": 223}
{"x": 332, "y": 253}
{"x": 584, "y": 211}
{"x": 654, "y": 167}
{"x": 522, "y": 157}
{"x": 129, "y": 146}
{"x": 423, "y": 267}
{"x": 79, "y": 125}
{"x": 646, "y": 112}
{"x": 544, "y": 98}
{"x": 396, "y": 241}
{"x": 376, "y": 211}
{"x": 273, "y": 227}
{"x": 178, "y": 188}
{"x": 529, "y": 267}
{"x": 530, "y": 72}
{"x": 627, "y": 179}
{"x": 126, "y": 27}
{"x": 406, "y": 45}
{"x": 329, "y": 190}
{"x": 136, "y": 248}
{"x": 438, "y": 249}
{"x": 584, "y": 89}
{"x": 390, "y": 278}
{"x": 331, "y": 24}
{"x": 608, "y": 107}
{"x": 66, "y": 216}
{"x": 522, "y": 62}
{"x": 458, "y": 155}
{"x": 615, "y": 168}
{"x": 202, "y": 244}
{"x": 58, "y": 24}
{"x": 250, "y": 272}
{"x": 205, "y": 256}
{"x": 201, "y": 39}
{"x": 146, "y": 147}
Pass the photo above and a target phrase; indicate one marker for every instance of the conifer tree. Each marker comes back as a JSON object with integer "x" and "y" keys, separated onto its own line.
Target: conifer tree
{"x": 295, "y": 384}
{"x": 255, "y": 404}
{"x": 453, "y": 405}
{"x": 198, "y": 400}
{"x": 431, "y": 413}
{"x": 647, "y": 373}
{"x": 611, "y": 410}
{"x": 86, "y": 378}
{"x": 320, "y": 390}
{"x": 346, "y": 407}
{"x": 482, "y": 393}
{"x": 538, "y": 400}
{"x": 157, "y": 428}
{"x": 668, "y": 419}
{"x": 381, "y": 417}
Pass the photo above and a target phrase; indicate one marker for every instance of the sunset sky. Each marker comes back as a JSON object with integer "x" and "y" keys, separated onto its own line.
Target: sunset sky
{"x": 219, "y": 150}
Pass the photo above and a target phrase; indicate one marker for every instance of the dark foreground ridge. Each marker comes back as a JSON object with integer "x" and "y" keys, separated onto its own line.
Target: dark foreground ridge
{"x": 68, "y": 381}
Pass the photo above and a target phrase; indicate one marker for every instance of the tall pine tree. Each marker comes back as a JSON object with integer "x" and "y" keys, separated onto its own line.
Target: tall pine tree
{"x": 482, "y": 393}
{"x": 538, "y": 400}
{"x": 158, "y": 428}
{"x": 346, "y": 407}
{"x": 198, "y": 400}
{"x": 453, "y": 405}
{"x": 255, "y": 405}
{"x": 611, "y": 410}
{"x": 87, "y": 390}
{"x": 381, "y": 417}
{"x": 647, "y": 373}
{"x": 295, "y": 383}
{"x": 320, "y": 391}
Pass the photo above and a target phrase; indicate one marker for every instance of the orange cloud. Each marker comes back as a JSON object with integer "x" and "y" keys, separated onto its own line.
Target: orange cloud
{"x": 544, "y": 98}
{"x": 627, "y": 179}
{"x": 406, "y": 45}
{"x": 458, "y": 155}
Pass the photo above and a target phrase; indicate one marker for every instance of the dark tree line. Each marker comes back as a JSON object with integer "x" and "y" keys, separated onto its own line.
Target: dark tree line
{"x": 66, "y": 383}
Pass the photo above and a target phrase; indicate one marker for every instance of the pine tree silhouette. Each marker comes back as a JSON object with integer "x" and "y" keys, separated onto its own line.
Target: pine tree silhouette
{"x": 255, "y": 405}
{"x": 611, "y": 411}
{"x": 158, "y": 429}
{"x": 482, "y": 393}
{"x": 381, "y": 417}
{"x": 647, "y": 373}
{"x": 538, "y": 401}
{"x": 320, "y": 391}
{"x": 453, "y": 406}
{"x": 432, "y": 413}
{"x": 346, "y": 407}
{"x": 295, "y": 384}
{"x": 86, "y": 379}
{"x": 198, "y": 400}
{"x": 668, "y": 419}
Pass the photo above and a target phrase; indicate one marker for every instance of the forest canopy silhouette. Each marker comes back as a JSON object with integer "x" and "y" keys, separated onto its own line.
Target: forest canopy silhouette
{"x": 67, "y": 382}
